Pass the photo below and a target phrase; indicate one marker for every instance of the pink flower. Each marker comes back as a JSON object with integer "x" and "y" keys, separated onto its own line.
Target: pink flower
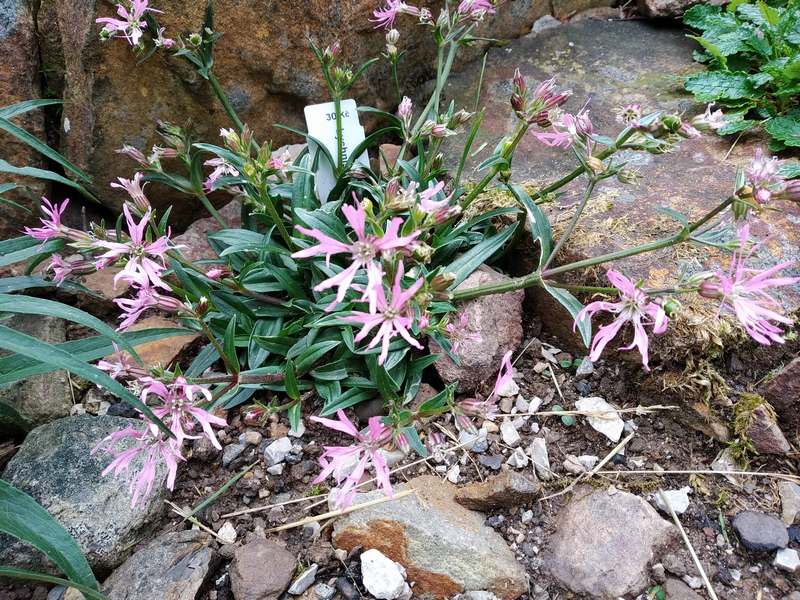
{"x": 363, "y": 253}
{"x": 404, "y": 112}
{"x": 146, "y": 297}
{"x": 439, "y": 210}
{"x": 505, "y": 377}
{"x": 179, "y": 409}
{"x": 222, "y": 168}
{"x": 763, "y": 177}
{"x": 744, "y": 292}
{"x": 149, "y": 450}
{"x": 132, "y": 23}
{"x": 135, "y": 190}
{"x": 163, "y": 42}
{"x": 385, "y": 17}
{"x": 476, "y": 9}
{"x": 53, "y": 228}
{"x": 121, "y": 364}
{"x": 140, "y": 269}
{"x": 365, "y": 452}
{"x": 629, "y": 115}
{"x": 390, "y": 317}
{"x": 134, "y": 153}
{"x": 460, "y": 333}
{"x": 280, "y": 162}
{"x": 62, "y": 268}
{"x": 634, "y": 307}
{"x": 709, "y": 120}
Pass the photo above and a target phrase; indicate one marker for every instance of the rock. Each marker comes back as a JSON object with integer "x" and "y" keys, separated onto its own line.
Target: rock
{"x": 541, "y": 461}
{"x": 606, "y": 420}
{"x": 195, "y": 239}
{"x": 493, "y": 462}
{"x": 509, "y": 433}
{"x": 588, "y": 461}
{"x": 227, "y": 533}
{"x": 304, "y": 581}
{"x": 277, "y": 451}
{"x": 790, "y": 501}
{"x": 497, "y": 319}
{"x": 615, "y": 63}
{"x": 20, "y": 79}
{"x": 764, "y": 432}
{"x": 231, "y": 452}
{"x": 322, "y": 591}
{"x": 505, "y": 490}
{"x": 41, "y": 398}
{"x": 164, "y": 351}
{"x": 518, "y": 459}
{"x": 585, "y": 369}
{"x": 678, "y": 500}
{"x": 787, "y": 559}
{"x": 55, "y": 466}
{"x": 760, "y": 532}
{"x": 475, "y": 442}
{"x": 782, "y": 391}
{"x": 603, "y": 543}
{"x": 572, "y": 465}
{"x": 173, "y": 566}
{"x": 544, "y": 23}
{"x": 266, "y": 67}
{"x": 669, "y": 8}
{"x": 444, "y": 547}
{"x": 251, "y": 437}
{"x": 564, "y": 9}
{"x": 383, "y": 578}
{"x": 261, "y": 570}
{"x": 675, "y": 589}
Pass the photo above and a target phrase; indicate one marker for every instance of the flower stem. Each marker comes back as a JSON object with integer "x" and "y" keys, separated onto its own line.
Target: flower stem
{"x": 571, "y": 227}
{"x": 220, "y": 93}
{"x": 337, "y": 103}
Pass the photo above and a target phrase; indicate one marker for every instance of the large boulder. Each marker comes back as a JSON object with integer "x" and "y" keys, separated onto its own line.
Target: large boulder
{"x": 496, "y": 322}
{"x": 173, "y": 566}
{"x": 782, "y": 391}
{"x": 20, "y": 79}
{"x": 55, "y": 466}
{"x": 616, "y": 63}
{"x": 41, "y": 398}
{"x": 445, "y": 548}
{"x": 263, "y": 62}
{"x": 604, "y": 542}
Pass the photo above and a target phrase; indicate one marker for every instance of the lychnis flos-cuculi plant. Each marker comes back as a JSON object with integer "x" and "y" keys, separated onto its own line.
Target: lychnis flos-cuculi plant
{"x": 329, "y": 302}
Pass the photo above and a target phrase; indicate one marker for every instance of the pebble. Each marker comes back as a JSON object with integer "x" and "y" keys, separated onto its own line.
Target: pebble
{"x": 277, "y": 451}
{"x": 790, "y": 501}
{"x": 588, "y": 461}
{"x": 522, "y": 405}
{"x": 347, "y": 589}
{"x": 490, "y": 427}
{"x": 585, "y": 369}
{"x": 582, "y": 386}
{"x": 678, "y": 500}
{"x": 509, "y": 433}
{"x": 571, "y": 465}
{"x": 304, "y": 581}
{"x": 527, "y": 517}
{"x": 227, "y": 533}
{"x": 453, "y": 473}
{"x": 493, "y": 462}
{"x": 251, "y": 437}
{"x": 231, "y": 452}
{"x": 475, "y": 442}
{"x": 518, "y": 459}
{"x": 541, "y": 461}
{"x": 787, "y": 559}
{"x": 276, "y": 469}
{"x": 608, "y": 422}
{"x": 495, "y": 521}
{"x": 382, "y": 577}
{"x": 322, "y": 591}
{"x": 760, "y": 532}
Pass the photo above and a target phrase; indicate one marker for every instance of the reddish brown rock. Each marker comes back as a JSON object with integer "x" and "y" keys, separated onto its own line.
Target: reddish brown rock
{"x": 765, "y": 433}
{"x": 565, "y": 9}
{"x": 445, "y": 548}
{"x": 19, "y": 80}
{"x": 508, "y": 489}
{"x": 670, "y": 8}
{"x": 194, "y": 241}
{"x": 497, "y": 320}
{"x": 783, "y": 393}
{"x": 164, "y": 351}
{"x": 261, "y": 570}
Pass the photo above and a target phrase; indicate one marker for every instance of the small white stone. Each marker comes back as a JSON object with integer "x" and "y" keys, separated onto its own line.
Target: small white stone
{"x": 453, "y": 473}
{"x": 383, "y": 578}
{"x": 227, "y": 533}
{"x": 606, "y": 420}
{"x": 571, "y": 465}
{"x": 693, "y": 582}
{"x": 518, "y": 459}
{"x": 251, "y": 437}
{"x": 541, "y": 461}
{"x": 787, "y": 559}
{"x": 301, "y": 429}
{"x": 509, "y": 388}
{"x": 534, "y": 404}
{"x": 527, "y": 517}
{"x": 522, "y": 405}
{"x": 276, "y": 452}
{"x": 509, "y": 433}
{"x": 588, "y": 461}
{"x": 469, "y": 439}
{"x": 678, "y": 499}
{"x": 304, "y": 581}
{"x": 276, "y": 469}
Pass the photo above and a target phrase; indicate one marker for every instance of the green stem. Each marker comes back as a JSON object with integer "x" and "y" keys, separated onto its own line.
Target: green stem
{"x": 276, "y": 218}
{"x": 210, "y": 207}
{"x": 337, "y": 103}
{"x": 571, "y": 227}
{"x": 220, "y": 93}
{"x": 242, "y": 379}
{"x": 215, "y": 342}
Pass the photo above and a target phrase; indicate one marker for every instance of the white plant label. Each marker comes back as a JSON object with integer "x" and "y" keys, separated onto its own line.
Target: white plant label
{"x": 321, "y": 124}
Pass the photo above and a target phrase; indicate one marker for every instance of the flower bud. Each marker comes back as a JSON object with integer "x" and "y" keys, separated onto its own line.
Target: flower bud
{"x": 134, "y": 153}
{"x": 462, "y": 117}
{"x": 671, "y": 123}
{"x": 791, "y": 191}
{"x": 710, "y": 289}
{"x": 402, "y": 443}
{"x": 595, "y": 164}
{"x": 442, "y": 281}
{"x": 671, "y": 306}
{"x": 629, "y": 176}
{"x": 517, "y": 102}
{"x": 519, "y": 82}
{"x": 464, "y": 423}
{"x": 741, "y": 208}
{"x": 392, "y": 37}
{"x": 422, "y": 252}
{"x": 195, "y": 39}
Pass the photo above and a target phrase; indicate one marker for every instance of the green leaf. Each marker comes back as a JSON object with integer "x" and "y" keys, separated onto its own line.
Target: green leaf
{"x": 712, "y": 49}
{"x": 22, "y": 248}
{"x": 26, "y": 282}
{"x": 790, "y": 170}
{"x": 24, "y": 574}
{"x": 229, "y": 346}
{"x": 567, "y": 420}
{"x": 42, "y": 148}
{"x": 573, "y": 306}
{"x": 12, "y": 418}
{"x": 464, "y": 265}
{"x": 22, "y": 517}
{"x": 6, "y": 167}
{"x": 539, "y": 224}
{"x": 413, "y": 439}
{"x": 350, "y": 398}
{"x": 290, "y": 381}
{"x": 715, "y": 85}
{"x": 29, "y": 346}
{"x": 29, "y": 305}
{"x": 12, "y": 110}
{"x": 698, "y": 16}
{"x": 785, "y": 129}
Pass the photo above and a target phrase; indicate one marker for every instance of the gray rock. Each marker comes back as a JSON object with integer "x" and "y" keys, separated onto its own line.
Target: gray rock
{"x": 304, "y": 581}
{"x": 508, "y": 489}
{"x": 445, "y": 547}
{"x": 498, "y": 321}
{"x": 544, "y": 23}
{"x": 790, "y": 501}
{"x": 787, "y": 559}
{"x": 541, "y": 461}
{"x": 173, "y": 566}
{"x": 493, "y": 462}
{"x": 678, "y": 500}
{"x": 677, "y": 590}
{"x": 604, "y": 543}
{"x": 55, "y": 466}
{"x": 277, "y": 451}
{"x": 585, "y": 369}
{"x": 41, "y": 398}
{"x": 509, "y": 433}
{"x": 231, "y": 452}
{"x": 782, "y": 391}
{"x": 261, "y": 570}
{"x": 760, "y": 532}
{"x": 322, "y": 591}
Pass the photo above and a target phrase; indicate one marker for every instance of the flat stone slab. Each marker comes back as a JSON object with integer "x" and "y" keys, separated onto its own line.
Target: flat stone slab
{"x": 616, "y": 63}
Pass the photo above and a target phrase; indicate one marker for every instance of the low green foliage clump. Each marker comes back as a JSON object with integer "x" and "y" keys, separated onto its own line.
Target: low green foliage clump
{"x": 752, "y": 50}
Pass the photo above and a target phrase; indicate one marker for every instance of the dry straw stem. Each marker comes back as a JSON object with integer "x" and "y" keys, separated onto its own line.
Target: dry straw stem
{"x": 639, "y": 410}
{"x": 785, "y": 477}
{"x": 187, "y": 515}
{"x": 696, "y": 560}
{"x": 344, "y": 511}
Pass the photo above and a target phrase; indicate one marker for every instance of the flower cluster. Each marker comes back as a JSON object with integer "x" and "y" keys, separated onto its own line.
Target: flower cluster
{"x": 131, "y": 24}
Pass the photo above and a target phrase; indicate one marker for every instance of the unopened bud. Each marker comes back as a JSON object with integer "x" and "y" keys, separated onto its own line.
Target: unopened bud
{"x": 195, "y": 39}
{"x": 402, "y": 443}
{"x": 710, "y": 289}
{"x": 422, "y": 252}
{"x": 671, "y": 306}
{"x": 595, "y": 164}
{"x": 392, "y": 37}
{"x": 517, "y": 102}
{"x": 791, "y": 191}
{"x": 519, "y": 82}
